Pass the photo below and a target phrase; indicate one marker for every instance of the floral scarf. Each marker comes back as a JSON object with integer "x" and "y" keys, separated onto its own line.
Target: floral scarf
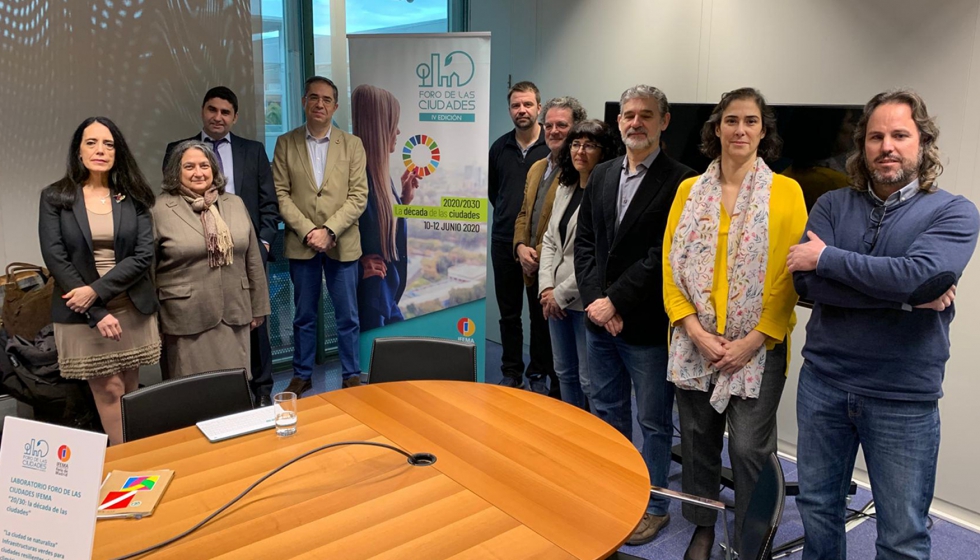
{"x": 692, "y": 259}
{"x": 217, "y": 237}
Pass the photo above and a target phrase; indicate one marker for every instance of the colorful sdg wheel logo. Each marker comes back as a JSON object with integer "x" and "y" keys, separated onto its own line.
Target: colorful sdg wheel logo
{"x": 421, "y": 155}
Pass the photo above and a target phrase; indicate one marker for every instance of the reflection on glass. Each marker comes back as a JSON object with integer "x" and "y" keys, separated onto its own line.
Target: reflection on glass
{"x": 374, "y": 16}
{"x": 816, "y": 142}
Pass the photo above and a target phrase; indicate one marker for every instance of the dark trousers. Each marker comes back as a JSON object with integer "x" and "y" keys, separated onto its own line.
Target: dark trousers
{"x": 261, "y": 382}
{"x": 341, "y": 280}
{"x": 617, "y": 370}
{"x": 751, "y": 438}
{"x": 508, "y": 282}
{"x": 900, "y": 441}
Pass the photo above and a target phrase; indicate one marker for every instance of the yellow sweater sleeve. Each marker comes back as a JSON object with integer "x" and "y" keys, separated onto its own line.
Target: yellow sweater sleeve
{"x": 675, "y": 303}
{"x": 787, "y": 221}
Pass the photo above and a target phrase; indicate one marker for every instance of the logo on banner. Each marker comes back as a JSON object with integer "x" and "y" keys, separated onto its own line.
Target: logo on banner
{"x": 35, "y": 455}
{"x": 467, "y": 328}
{"x": 456, "y": 70}
{"x": 421, "y": 155}
{"x": 442, "y": 97}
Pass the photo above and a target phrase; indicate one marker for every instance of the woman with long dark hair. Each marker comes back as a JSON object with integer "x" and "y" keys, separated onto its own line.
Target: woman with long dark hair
{"x": 97, "y": 240}
{"x": 588, "y": 144}
{"x": 384, "y": 246}
{"x": 730, "y": 297}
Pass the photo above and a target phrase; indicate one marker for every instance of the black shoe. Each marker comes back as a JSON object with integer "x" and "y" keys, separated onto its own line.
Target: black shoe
{"x": 299, "y": 386}
{"x": 555, "y": 391}
{"x": 352, "y": 381}
{"x": 702, "y": 541}
{"x": 538, "y": 385}
{"x": 264, "y": 400}
{"x": 515, "y": 382}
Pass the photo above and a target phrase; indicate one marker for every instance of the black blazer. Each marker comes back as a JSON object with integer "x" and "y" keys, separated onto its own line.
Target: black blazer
{"x": 625, "y": 263}
{"x": 253, "y": 184}
{"x": 66, "y": 247}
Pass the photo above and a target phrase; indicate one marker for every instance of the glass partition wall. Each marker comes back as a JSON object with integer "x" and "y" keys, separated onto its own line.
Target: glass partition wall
{"x": 301, "y": 38}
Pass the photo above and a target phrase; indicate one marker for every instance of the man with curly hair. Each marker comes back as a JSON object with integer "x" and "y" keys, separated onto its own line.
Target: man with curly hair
{"x": 880, "y": 261}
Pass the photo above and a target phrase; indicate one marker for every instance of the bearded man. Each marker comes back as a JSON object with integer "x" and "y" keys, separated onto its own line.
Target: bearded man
{"x": 880, "y": 261}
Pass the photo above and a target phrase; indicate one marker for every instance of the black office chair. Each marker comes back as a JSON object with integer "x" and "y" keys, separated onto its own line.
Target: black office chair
{"x": 762, "y": 518}
{"x": 411, "y": 358}
{"x": 765, "y": 512}
{"x": 179, "y": 403}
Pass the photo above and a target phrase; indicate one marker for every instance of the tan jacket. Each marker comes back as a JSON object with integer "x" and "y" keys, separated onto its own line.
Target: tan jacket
{"x": 338, "y": 203}
{"x": 193, "y": 296}
{"x": 522, "y": 227}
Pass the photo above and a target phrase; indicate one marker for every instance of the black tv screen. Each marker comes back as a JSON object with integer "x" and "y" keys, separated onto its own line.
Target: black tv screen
{"x": 816, "y": 141}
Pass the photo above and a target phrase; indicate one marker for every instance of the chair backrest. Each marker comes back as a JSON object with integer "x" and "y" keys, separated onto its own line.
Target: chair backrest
{"x": 765, "y": 511}
{"x": 412, "y": 358}
{"x": 179, "y": 403}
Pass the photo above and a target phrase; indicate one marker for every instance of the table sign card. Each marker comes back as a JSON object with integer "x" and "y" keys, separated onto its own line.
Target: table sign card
{"x": 49, "y": 482}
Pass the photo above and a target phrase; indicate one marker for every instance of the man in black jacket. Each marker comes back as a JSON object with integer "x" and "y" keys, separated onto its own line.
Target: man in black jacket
{"x": 246, "y": 166}
{"x": 511, "y": 156}
{"x": 618, "y": 267}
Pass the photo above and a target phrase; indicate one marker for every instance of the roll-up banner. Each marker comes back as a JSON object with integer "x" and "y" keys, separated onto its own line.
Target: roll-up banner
{"x": 420, "y": 104}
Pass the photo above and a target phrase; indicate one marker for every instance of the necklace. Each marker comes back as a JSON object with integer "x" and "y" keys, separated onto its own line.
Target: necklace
{"x": 103, "y": 199}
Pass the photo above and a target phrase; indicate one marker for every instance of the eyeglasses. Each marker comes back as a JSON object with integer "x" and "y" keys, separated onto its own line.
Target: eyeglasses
{"x": 589, "y": 147}
{"x": 877, "y": 216}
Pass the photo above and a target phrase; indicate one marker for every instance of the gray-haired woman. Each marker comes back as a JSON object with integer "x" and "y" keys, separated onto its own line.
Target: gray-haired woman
{"x": 209, "y": 275}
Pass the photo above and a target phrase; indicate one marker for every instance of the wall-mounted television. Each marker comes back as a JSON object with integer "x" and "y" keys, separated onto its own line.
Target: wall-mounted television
{"x": 816, "y": 141}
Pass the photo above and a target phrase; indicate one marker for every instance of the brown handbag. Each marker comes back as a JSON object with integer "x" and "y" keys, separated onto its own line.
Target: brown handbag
{"x": 25, "y": 297}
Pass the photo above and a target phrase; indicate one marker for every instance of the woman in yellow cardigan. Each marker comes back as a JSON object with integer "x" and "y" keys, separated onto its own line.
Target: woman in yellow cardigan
{"x": 730, "y": 299}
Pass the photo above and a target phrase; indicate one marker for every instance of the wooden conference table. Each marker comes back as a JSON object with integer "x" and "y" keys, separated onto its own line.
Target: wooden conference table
{"x": 518, "y": 475}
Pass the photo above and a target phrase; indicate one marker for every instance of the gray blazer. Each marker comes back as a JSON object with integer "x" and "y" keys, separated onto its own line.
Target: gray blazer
{"x": 556, "y": 267}
{"x": 193, "y": 296}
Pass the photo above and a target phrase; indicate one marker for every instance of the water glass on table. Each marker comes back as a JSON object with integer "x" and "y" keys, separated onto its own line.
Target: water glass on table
{"x": 284, "y": 405}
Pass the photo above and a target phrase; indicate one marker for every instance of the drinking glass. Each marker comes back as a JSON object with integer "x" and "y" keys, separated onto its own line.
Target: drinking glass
{"x": 285, "y": 409}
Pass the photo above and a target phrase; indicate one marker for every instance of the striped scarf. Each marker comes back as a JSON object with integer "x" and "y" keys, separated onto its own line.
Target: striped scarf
{"x": 217, "y": 237}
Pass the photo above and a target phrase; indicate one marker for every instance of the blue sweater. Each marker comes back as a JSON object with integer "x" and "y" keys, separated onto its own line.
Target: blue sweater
{"x": 863, "y": 337}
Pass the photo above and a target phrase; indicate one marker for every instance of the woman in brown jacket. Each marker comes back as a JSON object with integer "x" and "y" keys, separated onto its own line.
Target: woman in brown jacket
{"x": 209, "y": 275}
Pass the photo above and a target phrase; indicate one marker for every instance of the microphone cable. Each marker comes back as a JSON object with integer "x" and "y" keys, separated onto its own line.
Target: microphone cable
{"x": 414, "y": 459}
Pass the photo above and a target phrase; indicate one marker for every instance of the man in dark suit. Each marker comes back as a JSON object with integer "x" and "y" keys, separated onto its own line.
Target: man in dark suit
{"x": 618, "y": 249}
{"x": 246, "y": 166}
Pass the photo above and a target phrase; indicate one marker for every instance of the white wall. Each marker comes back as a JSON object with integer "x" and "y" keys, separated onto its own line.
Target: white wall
{"x": 795, "y": 51}
{"x": 512, "y": 25}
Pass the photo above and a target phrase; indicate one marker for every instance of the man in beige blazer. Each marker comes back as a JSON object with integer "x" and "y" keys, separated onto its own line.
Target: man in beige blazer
{"x": 322, "y": 189}
{"x": 560, "y": 115}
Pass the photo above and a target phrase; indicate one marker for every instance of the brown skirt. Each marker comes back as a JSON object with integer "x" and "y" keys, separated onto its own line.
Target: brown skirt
{"x": 221, "y": 347}
{"x": 83, "y": 353}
